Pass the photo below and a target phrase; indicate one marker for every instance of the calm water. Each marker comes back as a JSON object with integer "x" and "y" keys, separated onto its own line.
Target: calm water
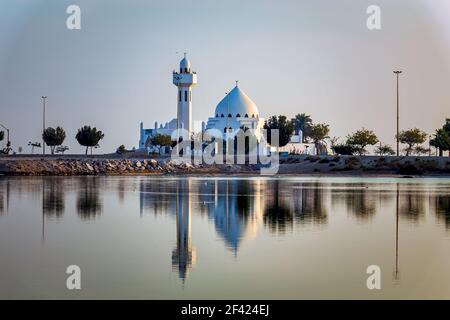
{"x": 182, "y": 238}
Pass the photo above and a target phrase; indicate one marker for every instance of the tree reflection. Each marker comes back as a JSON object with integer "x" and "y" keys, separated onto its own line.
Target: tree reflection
{"x": 309, "y": 204}
{"x": 412, "y": 206}
{"x": 158, "y": 195}
{"x": 89, "y": 205}
{"x": 442, "y": 209}
{"x": 358, "y": 199}
{"x": 53, "y": 197}
{"x": 278, "y": 217}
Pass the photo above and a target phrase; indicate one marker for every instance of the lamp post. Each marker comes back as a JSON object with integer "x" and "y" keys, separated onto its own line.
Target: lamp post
{"x": 44, "y": 100}
{"x": 397, "y": 72}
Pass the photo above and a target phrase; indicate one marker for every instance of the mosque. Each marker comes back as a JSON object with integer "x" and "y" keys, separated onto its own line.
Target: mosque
{"x": 235, "y": 111}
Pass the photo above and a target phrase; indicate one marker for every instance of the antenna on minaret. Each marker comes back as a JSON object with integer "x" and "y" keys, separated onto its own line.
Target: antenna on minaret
{"x": 184, "y": 54}
{"x": 237, "y": 82}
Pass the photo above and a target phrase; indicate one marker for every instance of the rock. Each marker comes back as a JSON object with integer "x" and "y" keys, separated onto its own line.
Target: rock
{"x": 138, "y": 164}
{"x": 153, "y": 163}
{"x": 90, "y": 168}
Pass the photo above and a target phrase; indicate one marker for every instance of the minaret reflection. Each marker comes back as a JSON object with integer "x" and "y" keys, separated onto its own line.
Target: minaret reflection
{"x": 184, "y": 255}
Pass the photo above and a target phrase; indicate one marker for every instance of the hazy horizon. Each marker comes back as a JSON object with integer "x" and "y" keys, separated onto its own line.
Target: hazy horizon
{"x": 316, "y": 57}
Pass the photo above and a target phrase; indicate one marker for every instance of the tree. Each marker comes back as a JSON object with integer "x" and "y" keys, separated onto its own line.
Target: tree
{"x": 161, "y": 140}
{"x": 411, "y": 138}
{"x": 53, "y": 137}
{"x": 2, "y": 135}
{"x": 420, "y": 150}
{"x": 384, "y": 150}
{"x": 89, "y": 137}
{"x": 121, "y": 149}
{"x": 318, "y": 133}
{"x": 361, "y": 139}
{"x": 344, "y": 149}
{"x": 283, "y": 125}
{"x": 441, "y": 141}
{"x": 302, "y": 122}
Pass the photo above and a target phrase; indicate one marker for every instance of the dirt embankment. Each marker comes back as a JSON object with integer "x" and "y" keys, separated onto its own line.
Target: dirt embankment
{"x": 310, "y": 165}
{"x": 366, "y": 165}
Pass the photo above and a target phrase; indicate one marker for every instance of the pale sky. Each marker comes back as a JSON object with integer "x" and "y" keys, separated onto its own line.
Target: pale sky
{"x": 312, "y": 56}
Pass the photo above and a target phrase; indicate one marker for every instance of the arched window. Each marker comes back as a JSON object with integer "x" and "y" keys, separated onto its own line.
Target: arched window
{"x": 185, "y": 95}
{"x": 222, "y": 115}
{"x": 225, "y": 130}
{"x": 217, "y": 115}
{"x": 229, "y": 115}
{"x": 246, "y": 115}
{"x": 238, "y": 115}
{"x": 253, "y": 115}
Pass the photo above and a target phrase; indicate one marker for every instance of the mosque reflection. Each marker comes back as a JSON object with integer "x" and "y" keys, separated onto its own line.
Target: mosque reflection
{"x": 237, "y": 207}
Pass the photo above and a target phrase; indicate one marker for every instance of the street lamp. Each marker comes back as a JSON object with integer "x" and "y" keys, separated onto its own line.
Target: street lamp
{"x": 44, "y": 100}
{"x": 397, "y": 72}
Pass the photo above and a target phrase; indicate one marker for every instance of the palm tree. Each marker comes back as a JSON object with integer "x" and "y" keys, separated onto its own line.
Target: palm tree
{"x": 319, "y": 132}
{"x": 302, "y": 122}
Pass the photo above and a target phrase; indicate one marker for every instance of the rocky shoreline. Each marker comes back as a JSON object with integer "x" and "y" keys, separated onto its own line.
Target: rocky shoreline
{"x": 292, "y": 165}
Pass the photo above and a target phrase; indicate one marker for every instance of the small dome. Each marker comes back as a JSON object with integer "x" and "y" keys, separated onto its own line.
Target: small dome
{"x": 185, "y": 64}
{"x": 237, "y": 104}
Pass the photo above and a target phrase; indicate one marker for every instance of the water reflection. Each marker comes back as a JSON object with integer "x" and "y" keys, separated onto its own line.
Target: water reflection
{"x": 53, "y": 197}
{"x": 4, "y": 195}
{"x": 359, "y": 200}
{"x": 310, "y": 206}
{"x": 239, "y": 208}
{"x": 278, "y": 216}
{"x": 441, "y": 206}
{"x": 89, "y": 205}
{"x": 184, "y": 255}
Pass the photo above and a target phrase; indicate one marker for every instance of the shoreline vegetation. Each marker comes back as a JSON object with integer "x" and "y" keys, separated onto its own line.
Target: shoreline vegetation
{"x": 81, "y": 165}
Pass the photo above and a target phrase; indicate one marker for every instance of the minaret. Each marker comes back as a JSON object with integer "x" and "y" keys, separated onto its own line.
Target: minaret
{"x": 185, "y": 80}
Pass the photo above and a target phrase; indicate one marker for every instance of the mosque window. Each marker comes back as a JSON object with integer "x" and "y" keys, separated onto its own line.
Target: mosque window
{"x": 246, "y": 115}
{"x": 179, "y": 95}
{"x": 185, "y": 96}
{"x": 225, "y": 129}
{"x": 217, "y": 115}
{"x": 238, "y": 115}
{"x": 222, "y": 115}
{"x": 253, "y": 115}
{"x": 229, "y": 115}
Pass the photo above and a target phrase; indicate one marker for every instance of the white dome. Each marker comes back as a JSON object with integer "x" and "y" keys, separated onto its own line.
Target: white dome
{"x": 238, "y": 104}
